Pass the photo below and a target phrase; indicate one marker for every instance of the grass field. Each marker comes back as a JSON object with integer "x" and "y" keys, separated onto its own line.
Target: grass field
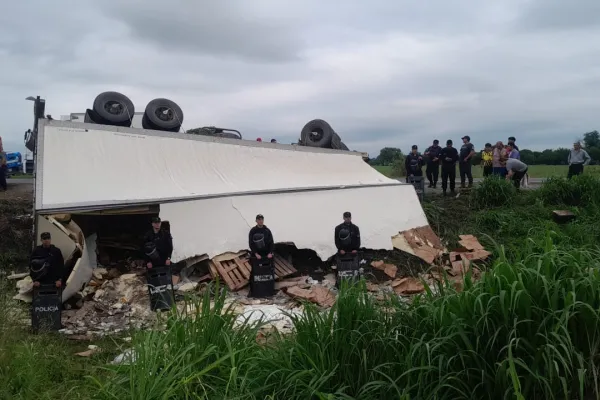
{"x": 535, "y": 171}
{"x": 529, "y": 328}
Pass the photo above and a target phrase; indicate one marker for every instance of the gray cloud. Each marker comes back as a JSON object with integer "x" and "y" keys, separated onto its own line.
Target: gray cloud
{"x": 217, "y": 28}
{"x": 387, "y": 73}
{"x": 555, "y": 15}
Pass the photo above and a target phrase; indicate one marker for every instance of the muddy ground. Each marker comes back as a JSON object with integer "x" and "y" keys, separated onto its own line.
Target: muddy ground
{"x": 16, "y": 206}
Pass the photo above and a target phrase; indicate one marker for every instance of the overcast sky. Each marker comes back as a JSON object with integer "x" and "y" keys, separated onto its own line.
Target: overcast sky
{"x": 382, "y": 73}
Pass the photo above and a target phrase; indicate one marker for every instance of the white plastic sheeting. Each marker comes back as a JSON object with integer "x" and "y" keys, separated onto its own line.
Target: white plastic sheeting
{"x": 90, "y": 167}
{"x": 215, "y": 226}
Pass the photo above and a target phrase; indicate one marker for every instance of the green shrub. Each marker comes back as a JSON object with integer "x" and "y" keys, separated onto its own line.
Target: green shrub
{"x": 398, "y": 169}
{"x": 582, "y": 190}
{"x": 493, "y": 192}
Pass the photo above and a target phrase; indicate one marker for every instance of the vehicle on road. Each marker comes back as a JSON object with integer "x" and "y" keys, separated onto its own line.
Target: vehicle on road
{"x": 14, "y": 163}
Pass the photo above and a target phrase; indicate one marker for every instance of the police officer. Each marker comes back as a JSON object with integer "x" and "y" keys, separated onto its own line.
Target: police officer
{"x": 433, "y": 163}
{"x": 46, "y": 265}
{"x": 448, "y": 157}
{"x": 347, "y": 236}
{"x": 467, "y": 151}
{"x": 413, "y": 163}
{"x": 261, "y": 239}
{"x": 158, "y": 245}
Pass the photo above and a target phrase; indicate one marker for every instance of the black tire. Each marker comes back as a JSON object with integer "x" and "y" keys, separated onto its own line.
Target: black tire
{"x": 147, "y": 124}
{"x": 317, "y": 133}
{"x": 113, "y": 108}
{"x": 336, "y": 142}
{"x": 163, "y": 115}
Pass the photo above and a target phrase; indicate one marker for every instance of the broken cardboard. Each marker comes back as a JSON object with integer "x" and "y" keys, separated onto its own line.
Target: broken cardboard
{"x": 316, "y": 294}
{"x": 389, "y": 269}
{"x": 421, "y": 242}
{"x": 408, "y": 286}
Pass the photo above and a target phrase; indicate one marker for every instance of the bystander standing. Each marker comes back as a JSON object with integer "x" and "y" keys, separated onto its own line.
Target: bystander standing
{"x": 577, "y": 159}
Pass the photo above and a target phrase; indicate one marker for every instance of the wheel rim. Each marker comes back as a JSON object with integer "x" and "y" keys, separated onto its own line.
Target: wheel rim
{"x": 316, "y": 135}
{"x": 114, "y": 107}
{"x": 164, "y": 113}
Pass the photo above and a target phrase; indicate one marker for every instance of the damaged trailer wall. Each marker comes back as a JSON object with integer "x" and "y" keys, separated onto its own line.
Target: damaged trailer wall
{"x": 89, "y": 165}
{"x": 308, "y": 219}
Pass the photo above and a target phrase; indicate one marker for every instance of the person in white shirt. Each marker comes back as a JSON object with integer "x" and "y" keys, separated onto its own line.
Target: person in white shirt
{"x": 577, "y": 159}
{"x": 516, "y": 171}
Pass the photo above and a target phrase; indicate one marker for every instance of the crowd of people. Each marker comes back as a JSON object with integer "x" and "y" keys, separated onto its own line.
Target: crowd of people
{"x": 503, "y": 160}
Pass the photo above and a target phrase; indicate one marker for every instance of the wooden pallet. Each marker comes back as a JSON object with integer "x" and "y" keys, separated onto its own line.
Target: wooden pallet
{"x": 236, "y": 271}
{"x": 283, "y": 268}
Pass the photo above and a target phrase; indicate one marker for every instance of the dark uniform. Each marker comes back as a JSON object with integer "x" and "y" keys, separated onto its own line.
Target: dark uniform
{"x": 448, "y": 158}
{"x": 158, "y": 247}
{"x": 261, "y": 241}
{"x": 347, "y": 237}
{"x": 46, "y": 265}
{"x": 3, "y": 168}
{"x": 465, "y": 166}
{"x": 433, "y": 167}
{"x": 413, "y": 164}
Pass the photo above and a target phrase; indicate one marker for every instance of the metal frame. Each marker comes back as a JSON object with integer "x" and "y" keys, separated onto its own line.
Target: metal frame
{"x": 36, "y": 125}
{"x": 84, "y": 127}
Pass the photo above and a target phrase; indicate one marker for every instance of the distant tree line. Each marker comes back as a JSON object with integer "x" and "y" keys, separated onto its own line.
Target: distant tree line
{"x": 392, "y": 156}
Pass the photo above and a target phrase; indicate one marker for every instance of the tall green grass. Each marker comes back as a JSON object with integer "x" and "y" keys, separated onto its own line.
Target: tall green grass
{"x": 526, "y": 330}
{"x": 493, "y": 192}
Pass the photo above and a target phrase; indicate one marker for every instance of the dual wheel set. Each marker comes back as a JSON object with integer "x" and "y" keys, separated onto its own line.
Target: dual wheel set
{"x": 114, "y": 108}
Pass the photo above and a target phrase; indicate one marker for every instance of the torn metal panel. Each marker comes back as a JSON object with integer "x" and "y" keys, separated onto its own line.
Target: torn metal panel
{"x": 421, "y": 242}
{"x": 306, "y": 219}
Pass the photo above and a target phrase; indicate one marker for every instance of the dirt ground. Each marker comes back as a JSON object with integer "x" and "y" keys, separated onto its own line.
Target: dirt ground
{"x": 18, "y": 191}
{"x": 15, "y": 225}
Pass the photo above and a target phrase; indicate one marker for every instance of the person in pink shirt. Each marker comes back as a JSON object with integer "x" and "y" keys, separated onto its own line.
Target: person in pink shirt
{"x": 499, "y": 157}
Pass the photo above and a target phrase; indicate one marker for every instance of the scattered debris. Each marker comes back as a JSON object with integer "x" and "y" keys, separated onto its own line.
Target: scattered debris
{"x": 274, "y": 317}
{"x": 408, "y": 286}
{"x": 116, "y": 297}
{"x": 470, "y": 242}
{"x": 315, "y": 294}
{"x": 187, "y": 287}
{"x": 92, "y": 349}
{"x": 125, "y": 358}
{"x": 563, "y": 216}
{"x": 389, "y": 269}
{"x": 421, "y": 242}
{"x": 25, "y": 287}
{"x": 18, "y": 276}
{"x": 234, "y": 269}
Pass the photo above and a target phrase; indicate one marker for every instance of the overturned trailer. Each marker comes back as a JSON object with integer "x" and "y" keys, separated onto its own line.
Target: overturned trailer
{"x": 94, "y": 181}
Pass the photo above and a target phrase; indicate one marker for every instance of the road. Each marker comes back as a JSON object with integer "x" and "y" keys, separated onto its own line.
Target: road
{"x": 534, "y": 183}
{"x": 18, "y": 189}
{"x": 17, "y": 181}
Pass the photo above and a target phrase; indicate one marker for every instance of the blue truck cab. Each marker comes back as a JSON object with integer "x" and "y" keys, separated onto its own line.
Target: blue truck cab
{"x": 14, "y": 162}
